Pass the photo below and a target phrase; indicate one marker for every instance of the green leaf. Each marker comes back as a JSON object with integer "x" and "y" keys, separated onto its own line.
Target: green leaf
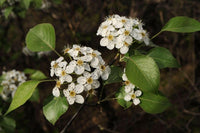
{"x": 1, "y": 89}
{"x": 26, "y": 3}
{"x": 182, "y": 24}
{"x": 115, "y": 75}
{"x": 154, "y": 103}
{"x": 37, "y": 3}
{"x": 7, "y": 12}
{"x": 41, "y": 38}
{"x": 36, "y": 96}
{"x": 8, "y": 124}
{"x": 163, "y": 57}
{"x": 120, "y": 98}
{"x": 35, "y": 74}
{"x": 1, "y": 2}
{"x": 143, "y": 72}
{"x": 22, "y": 94}
{"x": 55, "y": 108}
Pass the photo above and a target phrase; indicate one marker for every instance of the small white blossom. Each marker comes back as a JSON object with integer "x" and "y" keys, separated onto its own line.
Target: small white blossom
{"x": 128, "y": 85}
{"x": 71, "y": 93}
{"x": 133, "y": 95}
{"x": 57, "y": 64}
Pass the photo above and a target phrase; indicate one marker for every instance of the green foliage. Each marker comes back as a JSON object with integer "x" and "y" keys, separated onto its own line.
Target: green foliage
{"x": 120, "y": 98}
{"x": 2, "y": 2}
{"x": 7, "y": 11}
{"x": 154, "y": 103}
{"x": 1, "y": 89}
{"x": 26, "y": 3}
{"x": 35, "y": 74}
{"x": 182, "y": 24}
{"x": 55, "y": 108}
{"x": 36, "y": 96}
{"x": 163, "y": 57}
{"x": 8, "y": 125}
{"x": 22, "y": 94}
{"x": 115, "y": 75}
{"x": 143, "y": 72}
{"x": 41, "y": 38}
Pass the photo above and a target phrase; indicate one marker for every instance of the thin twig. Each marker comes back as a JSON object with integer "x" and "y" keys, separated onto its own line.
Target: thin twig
{"x": 74, "y": 116}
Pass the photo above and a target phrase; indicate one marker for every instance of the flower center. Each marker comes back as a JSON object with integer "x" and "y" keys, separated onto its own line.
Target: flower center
{"x": 123, "y": 20}
{"x": 90, "y": 80}
{"x": 110, "y": 37}
{"x": 66, "y": 50}
{"x": 55, "y": 65}
{"x": 72, "y": 93}
{"x": 126, "y": 44}
{"x": 102, "y": 67}
{"x": 126, "y": 33}
{"x": 78, "y": 49}
{"x": 94, "y": 54}
{"x": 133, "y": 96}
{"x": 143, "y": 34}
{"x": 58, "y": 84}
{"x": 63, "y": 73}
{"x": 127, "y": 82}
{"x": 80, "y": 62}
{"x": 105, "y": 26}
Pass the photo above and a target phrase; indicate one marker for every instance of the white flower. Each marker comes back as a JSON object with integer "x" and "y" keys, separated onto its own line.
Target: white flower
{"x": 74, "y": 51}
{"x": 128, "y": 85}
{"x": 63, "y": 76}
{"x": 57, "y": 64}
{"x": 88, "y": 81}
{"x": 124, "y": 43}
{"x": 56, "y": 91}
{"x": 72, "y": 94}
{"x": 105, "y": 28}
{"x": 81, "y": 67}
{"x": 133, "y": 95}
{"x": 108, "y": 41}
{"x": 140, "y": 35}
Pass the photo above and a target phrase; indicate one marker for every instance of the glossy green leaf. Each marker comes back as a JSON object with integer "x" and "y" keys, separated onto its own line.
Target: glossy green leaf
{"x": 7, "y": 124}
{"x": 182, "y": 24}
{"x": 41, "y": 38}
{"x": 35, "y": 96}
{"x": 55, "y": 108}
{"x": 154, "y": 103}
{"x": 22, "y": 94}
{"x": 163, "y": 57}
{"x": 120, "y": 98}
{"x": 115, "y": 75}
{"x": 35, "y": 74}
{"x": 7, "y": 11}
{"x": 26, "y": 3}
{"x": 143, "y": 72}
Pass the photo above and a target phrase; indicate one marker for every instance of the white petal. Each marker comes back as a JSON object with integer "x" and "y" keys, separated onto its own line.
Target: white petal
{"x": 59, "y": 59}
{"x": 87, "y": 58}
{"x": 79, "y": 88}
{"x": 88, "y": 87}
{"x": 96, "y": 84}
{"x": 136, "y": 101}
{"x": 104, "y": 42}
{"x": 127, "y": 89}
{"x": 69, "y": 69}
{"x": 79, "y": 99}
{"x": 119, "y": 45}
{"x": 71, "y": 100}
{"x": 51, "y": 72}
{"x": 81, "y": 80}
{"x": 138, "y": 93}
{"x": 94, "y": 62}
{"x": 110, "y": 46}
{"x": 68, "y": 78}
{"x": 95, "y": 74}
{"x": 66, "y": 92}
{"x": 124, "y": 49}
{"x": 127, "y": 97}
{"x": 79, "y": 70}
{"x": 56, "y": 92}
{"x": 124, "y": 77}
{"x": 87, "y": 67}
{"x": 105, "y": 75}
{"x": 71, "y": 86}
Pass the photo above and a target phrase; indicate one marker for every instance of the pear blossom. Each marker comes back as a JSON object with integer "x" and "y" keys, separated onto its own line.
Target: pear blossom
{"x": 72, "y": 94}
{"x": 57, "y": 64}
{"x": 128, "y": 85}
{"x": 133, "y": 95}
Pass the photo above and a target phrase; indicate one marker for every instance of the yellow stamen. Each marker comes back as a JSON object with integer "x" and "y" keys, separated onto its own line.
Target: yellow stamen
{"x": 133, "y": 96}
{"x": 90, "y": 80}
{"x": 66, "y": 50}
{"x": 125, "y": 43}
{"x": 127, "y": 82}
{"x": 110, "y": 37}
{"x": 123, "y": 20}
{"x": 78, "y": 49}
{"x": 55, "y": 65}
{"x": 58, "y": 84}
{"x": 94, "y": 54}
{"x": 143, "y": 34}
{"x": 80, "y": 62}
{"x": 105, "y": 26}
{"x": 63, "y": 73}
{"x": 72, "y": 93}
{"x": 102, "y": 67}
{"x": 126, "y": 33}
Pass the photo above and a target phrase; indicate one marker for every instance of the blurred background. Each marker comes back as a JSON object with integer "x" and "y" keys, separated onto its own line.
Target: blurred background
{"x": 76, "y": 22}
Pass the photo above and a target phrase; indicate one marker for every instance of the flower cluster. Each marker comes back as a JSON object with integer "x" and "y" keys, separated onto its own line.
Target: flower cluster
{"x": 11, "y": 80}
{"x": 131, "y": 92}
{"x": 80, "y": 74}
{"x": 120, "y": 32}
